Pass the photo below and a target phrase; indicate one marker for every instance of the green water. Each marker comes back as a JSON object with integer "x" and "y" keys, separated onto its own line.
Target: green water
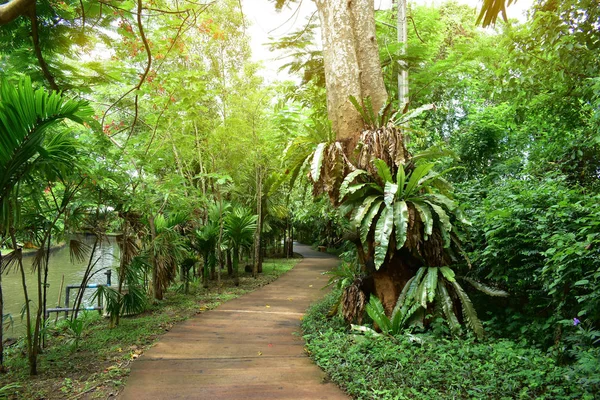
{"x": 60, "y": 265}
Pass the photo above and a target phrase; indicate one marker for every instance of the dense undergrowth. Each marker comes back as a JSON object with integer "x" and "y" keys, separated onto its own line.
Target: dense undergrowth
{"x": 431, "y": 366}
{"x": 95, "y": 362}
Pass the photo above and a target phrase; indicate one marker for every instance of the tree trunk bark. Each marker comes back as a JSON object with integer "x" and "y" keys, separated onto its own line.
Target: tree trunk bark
{"x": 156, "y": 287}
{"x": 352, "y": 66}
{"x": 257, "y": 266}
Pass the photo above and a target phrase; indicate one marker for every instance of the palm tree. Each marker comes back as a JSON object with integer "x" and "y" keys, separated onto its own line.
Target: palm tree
{"x": 238, "y": 232}
{"x": 165, "y": 251}
{"x": 29, "y": 145}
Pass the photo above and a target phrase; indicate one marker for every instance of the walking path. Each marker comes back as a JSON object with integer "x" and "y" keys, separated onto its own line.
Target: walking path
{"x": 247, "y": 348}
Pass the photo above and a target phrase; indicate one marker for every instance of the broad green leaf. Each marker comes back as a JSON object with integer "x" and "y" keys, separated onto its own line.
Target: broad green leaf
{"x": 400, "y": 181}
{"x": 401, "y": 222}
{"x": 383, "y": 231}
{"x": 414, "y": 285}
{"x": 441, "y": 199}
{"x": 469, "y": 313}
{"x": 490, "y": 291}
{"x": 363, "y": 209}
{"x": 404, "y": 118}
{"x": 431, "y": 282}
{"x": 359, "y": 108}
{"x": 446, "y": 226}
{"x": 317, "y": 162}
{"x": 421, "y": 295}
{"x": 365, "y": 226}
{"x": 383, "y": 170}
{"x": 448, "y": 307}
{"x": 376, "y": 311}
{"x": 389, "y": 192}
{"x": 416, "y": 175}
{"x": 348, "y": 180}
{"x": 402, "y": 298}
{"x": 426, "y": 217}
{"x": 448, "y": 273}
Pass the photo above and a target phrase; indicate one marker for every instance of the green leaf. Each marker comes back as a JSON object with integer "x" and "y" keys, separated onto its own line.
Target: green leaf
{"x": 348, "y": 180}
{"x": 402, "y": 298}
{"x": 412, "y": 290}
{"x": 404, "y": 118}
{"x": 400, "y": 181}
{"x": 421, "y": 294}
{"x": 383, "y": 231}
{"x": 431, "y": 283}
{"x": 448, "y": 273}
{"x": 359, "y": 108}
{"x": 363, "y": 209}
{"x": 446, "y": 226}
{"x": 365, "y": 226}
{"x": 468, "y": 310}
{"x": 490, "y": 291}
{"x": 442, "y": 200}
{"x": 426, "y": 217}
{"x": 413, "y": 181}
{"x": 401, "y": 222}
{"x": 376, "y": 311}
{"x": 448, "y": 307}
{"x": 317, "y": 162}
{"x": 383, "y": 170}
{"x": 389, "y": 193}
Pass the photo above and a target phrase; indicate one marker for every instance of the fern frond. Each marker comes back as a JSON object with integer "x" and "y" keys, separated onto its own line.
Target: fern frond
{"x": 490, "y": 291}
{"x": 468, "y": 311}
{"x": 447, "y": 306}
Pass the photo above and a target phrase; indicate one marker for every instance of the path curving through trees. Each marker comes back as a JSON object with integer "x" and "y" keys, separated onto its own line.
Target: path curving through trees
{"x": 247, "y": 348}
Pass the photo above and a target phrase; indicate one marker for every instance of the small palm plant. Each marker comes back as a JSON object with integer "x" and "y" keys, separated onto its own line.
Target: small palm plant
{"x": 238, "y": 232}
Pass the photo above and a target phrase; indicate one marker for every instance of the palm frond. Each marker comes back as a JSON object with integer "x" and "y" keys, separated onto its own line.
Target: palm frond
{"x": 78, "y": 251}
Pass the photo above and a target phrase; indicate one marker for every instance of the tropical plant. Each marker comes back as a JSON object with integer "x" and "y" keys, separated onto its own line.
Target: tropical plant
{"x": 27, "y": 117}
{"x": 382, "y": 206}
{"x": 205, "y": 242}
{"x": 133, "y": 298}
{"x": 238, "y": 232}
{"x": 165, "y": 250}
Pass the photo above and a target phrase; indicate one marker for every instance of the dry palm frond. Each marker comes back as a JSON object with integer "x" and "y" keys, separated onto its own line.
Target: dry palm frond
{"x": 128, "y": 248}
{"x": 353, "y": 303}
{"x": 10, "y": 260}
{"x": 39, "y": 258}
{"x": 78, "y": 251}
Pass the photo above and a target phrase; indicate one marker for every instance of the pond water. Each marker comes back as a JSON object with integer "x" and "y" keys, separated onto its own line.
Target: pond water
{"x": 60, "y": 265}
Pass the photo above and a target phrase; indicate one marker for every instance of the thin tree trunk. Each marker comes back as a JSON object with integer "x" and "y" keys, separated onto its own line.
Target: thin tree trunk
{"x": 257, "y": 235}
{"x": 235, "y": 266}
{"x": 402, "y": 67}
{"x": 229, "y": 262}
{"x": 31, "y": 356}
{"x": 156, "y": 287}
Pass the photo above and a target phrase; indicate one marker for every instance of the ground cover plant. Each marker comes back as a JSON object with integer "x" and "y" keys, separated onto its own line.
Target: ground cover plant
{"x": 96, "y": 362}
{"x": 432, "y": 366}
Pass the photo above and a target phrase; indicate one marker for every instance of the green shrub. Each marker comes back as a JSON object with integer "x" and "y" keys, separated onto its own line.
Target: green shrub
{"x": 538, "y": 238}
{"x": 384, "y": 367}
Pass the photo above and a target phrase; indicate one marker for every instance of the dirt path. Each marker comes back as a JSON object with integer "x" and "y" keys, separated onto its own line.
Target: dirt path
{"x": 247, "y": 348}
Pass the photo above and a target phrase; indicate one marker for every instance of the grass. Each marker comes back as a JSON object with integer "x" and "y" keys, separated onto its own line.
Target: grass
{"x": 99, "y": 366}
{"x": 435, "y": 367}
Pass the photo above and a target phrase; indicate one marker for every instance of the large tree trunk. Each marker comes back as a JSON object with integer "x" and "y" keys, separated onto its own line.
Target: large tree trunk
{"x": 352, "y": 66}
